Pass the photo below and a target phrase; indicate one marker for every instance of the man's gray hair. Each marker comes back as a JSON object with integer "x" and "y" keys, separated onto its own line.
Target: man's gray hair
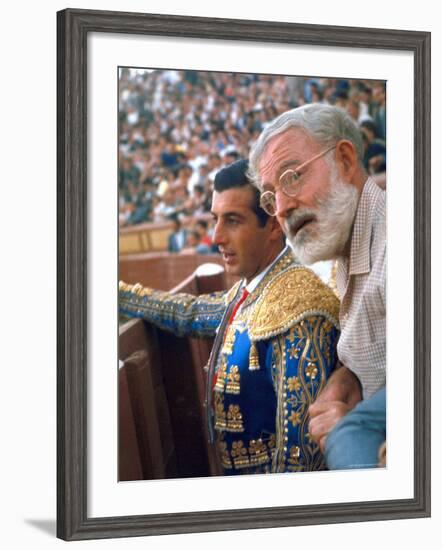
{"x": 324, "y": 123}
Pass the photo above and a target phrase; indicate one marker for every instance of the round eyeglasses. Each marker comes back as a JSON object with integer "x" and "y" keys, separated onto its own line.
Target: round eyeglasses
{"x": 290, "y": 183}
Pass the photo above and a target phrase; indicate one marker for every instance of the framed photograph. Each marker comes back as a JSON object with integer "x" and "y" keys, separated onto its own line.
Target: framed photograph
{"x": 104, "y": 123}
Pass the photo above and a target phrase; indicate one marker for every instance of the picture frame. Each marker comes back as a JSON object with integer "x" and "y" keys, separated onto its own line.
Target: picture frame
{"x": 73, "y": 28}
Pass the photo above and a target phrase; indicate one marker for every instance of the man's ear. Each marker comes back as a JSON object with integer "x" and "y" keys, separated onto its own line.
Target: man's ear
{"x": 346, "y": 160}
{"x": 275, "y": 229}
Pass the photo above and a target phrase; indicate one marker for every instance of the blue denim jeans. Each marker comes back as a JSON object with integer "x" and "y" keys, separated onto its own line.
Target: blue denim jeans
{"x": 355, "y": 440}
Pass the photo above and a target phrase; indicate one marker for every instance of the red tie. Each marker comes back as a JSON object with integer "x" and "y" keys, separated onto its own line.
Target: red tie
{"x": 244, "y": 295}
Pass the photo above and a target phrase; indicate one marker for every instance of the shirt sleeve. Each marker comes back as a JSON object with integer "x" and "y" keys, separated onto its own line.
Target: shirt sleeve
{"x": 355, "y": 441}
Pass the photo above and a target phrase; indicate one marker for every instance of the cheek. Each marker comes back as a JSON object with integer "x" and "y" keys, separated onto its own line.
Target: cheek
{"x": 256, "y": 243}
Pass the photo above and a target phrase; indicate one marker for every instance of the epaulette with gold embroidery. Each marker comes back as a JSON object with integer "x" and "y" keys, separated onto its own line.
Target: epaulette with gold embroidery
{"x": 293, "y": 295}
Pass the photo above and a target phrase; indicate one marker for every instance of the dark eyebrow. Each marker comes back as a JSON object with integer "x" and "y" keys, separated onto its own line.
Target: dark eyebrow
{"x": 232, "y": 215}
{"x": 228, "y": 215}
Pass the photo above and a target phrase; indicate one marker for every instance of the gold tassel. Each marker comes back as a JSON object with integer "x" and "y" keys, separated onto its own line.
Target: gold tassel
{"x": 253, "y": 357}
{"x": 234, "y": 379}
{"x": 229, "y": 341}
{"x": 221, "y": 378}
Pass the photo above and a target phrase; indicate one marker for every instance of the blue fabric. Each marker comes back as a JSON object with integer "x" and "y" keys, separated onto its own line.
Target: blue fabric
{"x": 355, "y": 440}
{"x": 293, "y": 367}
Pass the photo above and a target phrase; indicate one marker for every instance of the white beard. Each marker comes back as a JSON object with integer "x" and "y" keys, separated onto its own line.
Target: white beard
{"x": 327, "y": 236}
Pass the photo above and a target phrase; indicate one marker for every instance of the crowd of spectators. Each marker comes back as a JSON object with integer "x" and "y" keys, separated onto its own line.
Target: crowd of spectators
{"x": 178, "y": 128}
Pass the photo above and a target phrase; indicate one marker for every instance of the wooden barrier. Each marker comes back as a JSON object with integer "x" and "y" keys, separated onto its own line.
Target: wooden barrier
{"x": 162, "y": 270}
{"x": 146, "y": 448}
{"x": 162, "y": 421}
{"x": 150, "y": 236}
{"x": 145, "y": 237}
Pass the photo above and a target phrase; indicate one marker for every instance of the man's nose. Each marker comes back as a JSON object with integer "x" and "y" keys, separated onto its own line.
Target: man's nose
{"x": 284, "y": 204}
{"x": 218, "y": 234}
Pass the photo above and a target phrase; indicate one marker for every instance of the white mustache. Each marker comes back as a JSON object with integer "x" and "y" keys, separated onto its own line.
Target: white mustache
{"x": 297, "y": 218}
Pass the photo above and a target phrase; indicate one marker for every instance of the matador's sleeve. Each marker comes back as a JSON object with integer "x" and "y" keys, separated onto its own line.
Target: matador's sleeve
{"x": 182, "y": 314}
{"x": 298, "y": 317}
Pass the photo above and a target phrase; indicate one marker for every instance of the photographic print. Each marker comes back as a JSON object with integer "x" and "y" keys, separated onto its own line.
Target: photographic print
{"x": 178, "y": 129}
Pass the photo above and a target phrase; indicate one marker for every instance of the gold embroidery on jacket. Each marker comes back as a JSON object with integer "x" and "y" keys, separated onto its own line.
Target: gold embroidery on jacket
{"x": 305, "y": 343}
{"x": 293, "y": 384}
{"x": 290, "y": 297}
{"x": 224, "y": 455}
{"x": 233, "y": 380}
{"x": 240, "y": 455}
{"x": 253, "y": 357}
{"x": 258, "y": 452}
{"x": 220, "y": 413}
{"x": 221, "y": 377}
{"x": 229, "y": 340}
{"x": 295, "y": 417}
{"x": 311, "y": 371}
{"x": 294, "y": 459}
{"x": 234, "y": 419}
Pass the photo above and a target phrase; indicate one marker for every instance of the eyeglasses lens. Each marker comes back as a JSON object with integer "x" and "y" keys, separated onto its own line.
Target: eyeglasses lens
{"x": 290, "y": 182}
{"x": 268, "y": 203}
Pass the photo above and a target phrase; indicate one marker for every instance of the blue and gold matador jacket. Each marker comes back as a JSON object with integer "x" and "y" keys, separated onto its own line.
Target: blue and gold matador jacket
{"x": 265, "y": 368}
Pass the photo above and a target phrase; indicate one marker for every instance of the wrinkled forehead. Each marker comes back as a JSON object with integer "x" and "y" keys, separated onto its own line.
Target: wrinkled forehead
{"x": 292, "y": 147}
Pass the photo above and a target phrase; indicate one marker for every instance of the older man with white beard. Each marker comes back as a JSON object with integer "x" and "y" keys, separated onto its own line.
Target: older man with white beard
{"x": 307, "y": 164}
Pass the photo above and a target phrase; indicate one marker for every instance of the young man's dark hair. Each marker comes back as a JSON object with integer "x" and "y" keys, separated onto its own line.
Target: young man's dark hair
{"x": 235, "y": 175}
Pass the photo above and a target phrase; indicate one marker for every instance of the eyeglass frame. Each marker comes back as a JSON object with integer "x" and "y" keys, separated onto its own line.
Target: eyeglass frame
{"x": 296, "y": 176}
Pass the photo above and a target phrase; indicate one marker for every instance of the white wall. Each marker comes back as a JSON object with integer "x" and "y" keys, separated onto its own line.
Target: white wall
{"x": 28, "y": 145}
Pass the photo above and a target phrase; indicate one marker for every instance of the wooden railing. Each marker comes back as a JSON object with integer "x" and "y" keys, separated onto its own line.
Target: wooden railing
{"x": 163, "y": 270}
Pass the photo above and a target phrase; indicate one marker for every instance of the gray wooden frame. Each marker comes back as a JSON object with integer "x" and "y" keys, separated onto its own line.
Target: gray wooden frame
{"x": 73, "y": 27}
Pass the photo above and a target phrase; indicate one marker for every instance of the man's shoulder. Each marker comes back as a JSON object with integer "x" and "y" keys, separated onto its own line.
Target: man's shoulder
{"x": 289, "y": 297}
{"x": 375, "y": 197}
{"x": 378, "y": 221}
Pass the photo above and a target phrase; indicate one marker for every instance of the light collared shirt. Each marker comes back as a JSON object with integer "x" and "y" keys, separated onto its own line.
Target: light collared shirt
{"x": 361, "y": 282}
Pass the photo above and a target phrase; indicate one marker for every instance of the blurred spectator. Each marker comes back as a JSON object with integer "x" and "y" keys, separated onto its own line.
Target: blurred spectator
{"x": 198, "y": 201}
{"x": 379, "y": 109}
{"x": 205, "y": 241}
{"x": 341, "y": 99}
{"x": 165, "y": 208}
{"x": 374, "y": 148}
{"x": 214, "y": 165}
{"x": 191, "y": 244}
{"x": 178, "y": 239}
